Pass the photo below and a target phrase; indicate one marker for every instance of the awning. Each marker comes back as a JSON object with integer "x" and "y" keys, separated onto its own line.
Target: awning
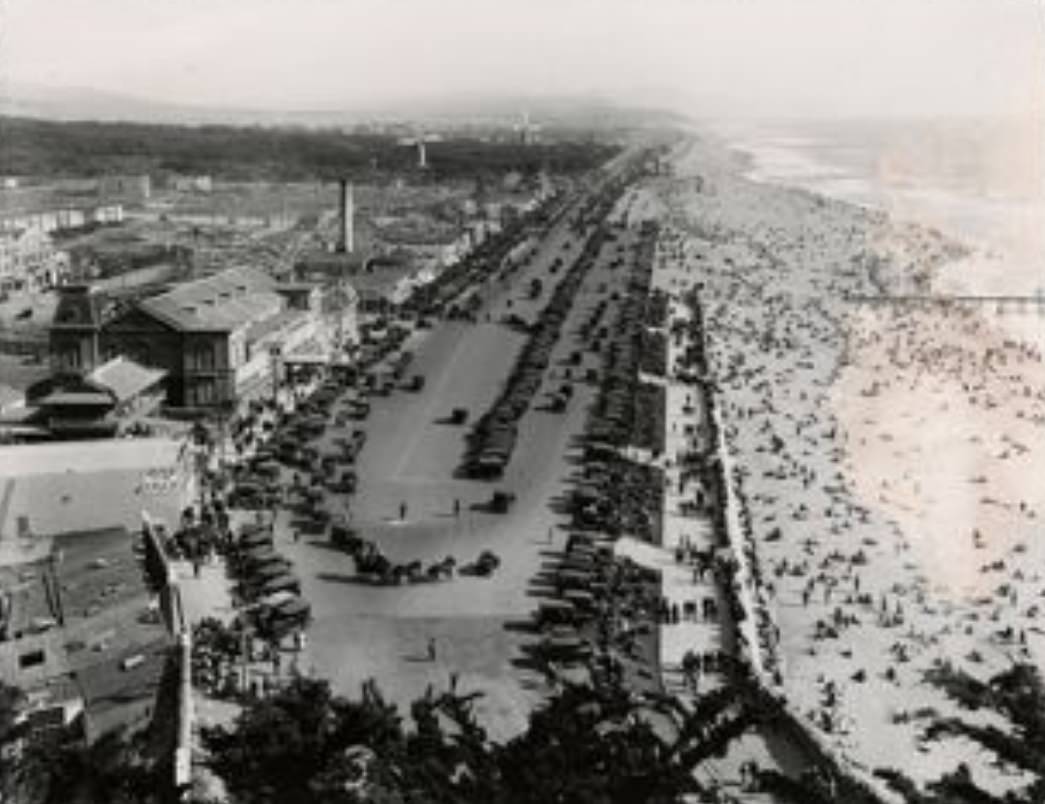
{"x": 77, "y": 398}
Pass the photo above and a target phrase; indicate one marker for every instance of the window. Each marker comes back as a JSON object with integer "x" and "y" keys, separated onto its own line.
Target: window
{"x": 204, "y": 392}
{"x": 203, "y": 357}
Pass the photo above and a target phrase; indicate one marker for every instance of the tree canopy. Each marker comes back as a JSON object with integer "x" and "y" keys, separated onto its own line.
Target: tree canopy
{"x": 589, "y": 745}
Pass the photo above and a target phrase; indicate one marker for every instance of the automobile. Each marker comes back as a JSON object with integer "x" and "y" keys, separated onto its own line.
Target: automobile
{"x": 564, "y": 648}
{"x": 482, "y": 567}
{"x": 345, "y": 484}
{"x": 501, "y": 501}
{"x": 316, "y": 521}
{"x": 262, "y": 556}
{"x": 459, "y": 415}
{"x": 343, "y": 536}
{"x": 281, "y": 613}
{"x": 416, "y": 383}
{"x": 555, "y": 613}
{"x": 251, "y": 496}
{"x": 284, "y": 582}
{"x": 272, "y": 569}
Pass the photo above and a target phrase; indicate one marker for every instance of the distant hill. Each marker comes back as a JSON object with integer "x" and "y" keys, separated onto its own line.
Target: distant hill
{"x": 84, "y": 103}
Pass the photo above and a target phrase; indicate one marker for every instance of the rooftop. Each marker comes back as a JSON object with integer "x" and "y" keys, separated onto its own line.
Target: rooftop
{"x": 126, "y": 378}
{"x": 108, "y": 618}
{"x": 10, "y": 396}
{"x": 217, "y": 303}
{"x": 60, "y": 457}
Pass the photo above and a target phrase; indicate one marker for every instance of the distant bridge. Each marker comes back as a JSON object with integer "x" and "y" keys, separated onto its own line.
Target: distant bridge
{"x": 1001, "y": 302}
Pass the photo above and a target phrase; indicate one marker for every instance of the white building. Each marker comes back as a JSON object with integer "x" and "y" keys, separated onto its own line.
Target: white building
{"x": 29, "y": 261}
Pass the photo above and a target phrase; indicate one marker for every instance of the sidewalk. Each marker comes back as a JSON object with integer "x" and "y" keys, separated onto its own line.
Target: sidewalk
{"x": 701, "y": 628}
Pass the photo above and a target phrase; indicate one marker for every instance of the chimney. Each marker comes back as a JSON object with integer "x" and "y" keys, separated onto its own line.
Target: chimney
{"x": 346, "y": 210}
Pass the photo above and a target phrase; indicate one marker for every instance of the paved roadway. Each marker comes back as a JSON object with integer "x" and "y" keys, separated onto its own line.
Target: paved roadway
{"x": 361, "y": 630}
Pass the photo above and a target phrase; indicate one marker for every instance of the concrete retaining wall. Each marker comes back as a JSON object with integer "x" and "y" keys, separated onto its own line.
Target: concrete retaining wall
{"x": 159, "y": 566}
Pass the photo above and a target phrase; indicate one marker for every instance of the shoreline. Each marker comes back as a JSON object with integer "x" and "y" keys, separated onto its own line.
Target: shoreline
{"x": 794, "y": 410}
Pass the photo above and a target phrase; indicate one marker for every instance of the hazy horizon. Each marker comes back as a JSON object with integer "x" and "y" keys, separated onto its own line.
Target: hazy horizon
{"x": 774, "y": 58}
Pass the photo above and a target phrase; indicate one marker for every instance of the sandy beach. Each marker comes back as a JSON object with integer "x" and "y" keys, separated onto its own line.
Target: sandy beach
{"x": 884, "y": 454}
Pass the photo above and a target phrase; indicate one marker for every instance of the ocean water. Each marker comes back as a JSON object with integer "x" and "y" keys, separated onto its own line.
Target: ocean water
{"x": 979, "y": 181}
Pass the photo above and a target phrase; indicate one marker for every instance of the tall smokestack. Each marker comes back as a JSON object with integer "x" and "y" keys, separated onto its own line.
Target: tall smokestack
{"x": 346, "y": 213}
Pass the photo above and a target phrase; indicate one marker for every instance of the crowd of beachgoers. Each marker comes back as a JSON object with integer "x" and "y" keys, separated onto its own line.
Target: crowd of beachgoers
{"x": 882, "y": 454}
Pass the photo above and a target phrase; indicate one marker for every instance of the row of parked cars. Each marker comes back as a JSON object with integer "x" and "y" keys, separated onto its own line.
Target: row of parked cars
{"x": 266, "y": 583}
{"x": 492, "y": 440}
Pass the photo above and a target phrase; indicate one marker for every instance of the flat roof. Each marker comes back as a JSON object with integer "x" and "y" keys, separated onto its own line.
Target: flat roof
{"x": 99, "y": 455}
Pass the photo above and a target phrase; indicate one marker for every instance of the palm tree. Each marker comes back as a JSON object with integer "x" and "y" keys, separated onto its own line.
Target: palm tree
{"x": 1018, "y": 695}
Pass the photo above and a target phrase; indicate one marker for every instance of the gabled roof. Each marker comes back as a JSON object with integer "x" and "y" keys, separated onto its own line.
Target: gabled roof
{"x": 217, "y": 303}
{"x": 126, "y": 378}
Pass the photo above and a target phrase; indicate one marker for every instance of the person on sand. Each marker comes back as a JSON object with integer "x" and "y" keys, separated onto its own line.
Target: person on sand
{"x": 457, "y": 507}
{"x": 402, "y": 510}
{"x": 431, "y": 649}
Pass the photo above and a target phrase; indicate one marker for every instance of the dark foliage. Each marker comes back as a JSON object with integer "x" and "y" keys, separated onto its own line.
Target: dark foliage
{"x": 48, "y": 148}
{"x": 601, "y": 744}
{"x": 1019, "y": 696}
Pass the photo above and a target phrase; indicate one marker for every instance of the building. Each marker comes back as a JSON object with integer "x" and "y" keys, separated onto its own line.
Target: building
{"x": 218, "y": 339}
{"x": 49, "y": 219}
{"x": 80, "y": 635}
{"x": 55, "y": 487}
{"x": 191, "y": 184}
{"x": 93, "y": 405}
{"x": 30, "y": 261}
{"x": 128, "y": 189}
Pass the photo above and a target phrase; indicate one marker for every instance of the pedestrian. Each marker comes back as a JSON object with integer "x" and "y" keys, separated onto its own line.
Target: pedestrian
{"x": 431, "y": 649}
{"x": 457, "y": 507}
{"x": 196, "y": 566}
{"x": 402, "y": 510}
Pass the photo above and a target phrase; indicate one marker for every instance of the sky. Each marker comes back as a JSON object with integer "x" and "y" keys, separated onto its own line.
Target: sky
{"x": 822, "y": 57}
